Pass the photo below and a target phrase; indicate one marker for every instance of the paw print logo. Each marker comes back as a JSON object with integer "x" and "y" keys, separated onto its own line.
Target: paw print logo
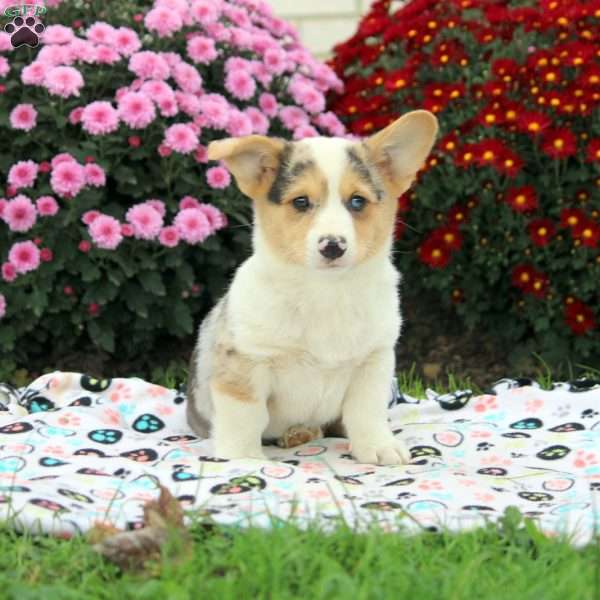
{"x": 595, "y": 486}
{"x": 584, "y": 459}
{"x": 485, "y": 403}
{"x": 24, "y": 31}
{"x": 589, "y": 413}
{"x": 105, "y": 436}
{"x": 148, "y": 423}
{"x": 429, "y": 485}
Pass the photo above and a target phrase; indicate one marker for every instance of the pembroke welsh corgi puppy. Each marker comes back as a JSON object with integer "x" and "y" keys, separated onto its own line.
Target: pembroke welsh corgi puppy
{"x": 304, "y": 338}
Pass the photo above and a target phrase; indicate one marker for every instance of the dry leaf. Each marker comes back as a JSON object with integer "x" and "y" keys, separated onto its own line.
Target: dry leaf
{"x": 163, "y": 520}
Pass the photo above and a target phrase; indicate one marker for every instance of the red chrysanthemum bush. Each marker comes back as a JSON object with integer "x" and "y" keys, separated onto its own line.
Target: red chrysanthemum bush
{"x": 115, "y": 230}
{"x": 505, "y": 220}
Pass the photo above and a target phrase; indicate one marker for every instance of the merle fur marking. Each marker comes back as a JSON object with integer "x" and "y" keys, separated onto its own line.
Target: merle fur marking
{"x": 282, "y": 177}
{"x": 364, "y": 172}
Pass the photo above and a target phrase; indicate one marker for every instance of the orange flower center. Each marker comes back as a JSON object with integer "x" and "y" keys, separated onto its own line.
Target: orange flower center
{"x": 467, "y": 156}
{"x": 559, "y": 143}
{"x": 511, "y": 115}
{"x": 459, "y": 216}
{"x": 452, "y": 145}
{"x": 533, "y": 126}
{"x": 488, "y": 155}
{"x": 524, "y": 277}
{"x": 537, "y": 285}
{"x": 449, "y": 238}
{"x": 580, "y": 318}
{"x": 436, "y": 253}
{"x": 352, "y": 109}
{"x": 587, "y": 233}
{"x": 509, "y": 162}
{"x": 490, "y": 118}
{"x": 399, "y": 83}
{"x": 542, "y": 231}
{"x": 572, "y": 221}
{"x": 521, "y": 199}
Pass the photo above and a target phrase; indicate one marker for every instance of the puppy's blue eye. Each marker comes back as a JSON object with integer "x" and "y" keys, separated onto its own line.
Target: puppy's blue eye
{"x": 301, "y": 203}
{"x": 357, "y": 203}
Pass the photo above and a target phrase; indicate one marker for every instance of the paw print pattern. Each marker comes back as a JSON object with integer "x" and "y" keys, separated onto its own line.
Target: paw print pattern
{"x": 584, "y": 459}
{"x": 148, "y": 424}
{"x": 595, "y": 486}
{"x": 485, "y": 403}
{"x": 105, "y": 436}
{"x": 483, "y": 446}
{"x": 589, "y": 413}
{"x": 24, "y": 32}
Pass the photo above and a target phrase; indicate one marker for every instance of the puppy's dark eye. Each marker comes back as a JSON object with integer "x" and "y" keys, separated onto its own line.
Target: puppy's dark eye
{"x": 357, "y": 203}
{"x": 302, "y": 203}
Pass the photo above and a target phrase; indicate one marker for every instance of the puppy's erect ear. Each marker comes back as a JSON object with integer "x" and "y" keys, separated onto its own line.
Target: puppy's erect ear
{"x": 253, "y": 160}
{"x": 400, "y": 150}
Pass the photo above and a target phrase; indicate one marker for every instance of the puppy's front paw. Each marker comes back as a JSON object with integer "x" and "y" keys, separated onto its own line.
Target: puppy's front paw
{"x": 380, "y": 451}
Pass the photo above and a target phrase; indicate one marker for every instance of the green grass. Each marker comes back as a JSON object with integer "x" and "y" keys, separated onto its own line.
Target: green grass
{"x": 510, "y": 561}
{"x": 288, "y": 563}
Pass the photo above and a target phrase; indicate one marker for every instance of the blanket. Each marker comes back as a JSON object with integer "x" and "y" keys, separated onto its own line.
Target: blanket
{"x": 75, "y": 451}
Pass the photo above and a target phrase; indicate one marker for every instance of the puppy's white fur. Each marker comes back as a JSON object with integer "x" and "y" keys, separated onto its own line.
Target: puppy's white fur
{"x": 301, "y": 339}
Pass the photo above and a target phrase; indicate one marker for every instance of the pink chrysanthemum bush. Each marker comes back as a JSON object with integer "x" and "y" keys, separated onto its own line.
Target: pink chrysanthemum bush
{"x": 504, "y": 223}
{"x": 114, "y": 228}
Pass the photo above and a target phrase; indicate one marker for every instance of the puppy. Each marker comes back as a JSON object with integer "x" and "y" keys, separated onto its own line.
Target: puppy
{"x": 304, "y": 338}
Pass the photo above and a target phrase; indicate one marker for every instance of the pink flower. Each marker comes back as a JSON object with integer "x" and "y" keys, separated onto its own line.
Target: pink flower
{"x": 34, "y": 74}
{"x": 164, "y": 21}
{"x": 89, "y": 216}
{"x": 24, "y": 256}
{"x": 239, "y": 124}
{"x": 136, "y": 110}
{"x": 181, "y": 138}
{"x": 105, "y": 231}
{"x": 94, "y": 175}
{"x": 84, "y": 246}
{"x": 58, "y": 34}
{"x": 126, "y": 41}
{"x": 240, "y": 84}
{"x": 100, "y": 118}
{"x": 62, "y": 157}
{"x": 275, "y": 60}
{"x": 188, "y": 103}
{"x": 331, "y": 123}
{"x": 24, "y": 117}
{"x": 46, "y": 206}
{"x": 260, "y": 123}
{"x": 67, "y": 179}
{"x": 187, "y": 78}
{"x": 20, "y": 214}
{"x": 201, "y": 154}
{"x": 157, "y": 89}
{"x": 164, "y": 150}
{"x": 305, "y": 131}
{"x": 23, "y": 174}
{"x": 106, "y": 55}
{"x": 205, "y": 11}
{"x": 4, "y": 66}
{"x": 46, "y": 255}
{"x": 2, "y": 306}
{"x": 169, "y": 236}
{"x": 218, "y": 177}
{"x": 149, "y": 65}
{"x": 215, "y": 109}
{"x": 292, "y": 117}
{"x": 158, "y": 206}
{"x": 192, "y": 225}
{"x": 101, "y": 33}
{"x": 202, "y": 49}
{"x": 216, "y": 218}
{"x": 75, "y": 115}
{"x": 5, "y": 45}
{"x": 9, "y": 273}
{"x": 188, "y": 202}
{"x": 64, "y": 81}
{"x": 268, "y": 104}
{"x": 145, "y": 220}
{"x": 3, "y": 205}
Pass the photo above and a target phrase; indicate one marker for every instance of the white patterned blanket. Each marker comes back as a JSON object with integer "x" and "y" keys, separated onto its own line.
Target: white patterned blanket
{"x": 75, "y": 451}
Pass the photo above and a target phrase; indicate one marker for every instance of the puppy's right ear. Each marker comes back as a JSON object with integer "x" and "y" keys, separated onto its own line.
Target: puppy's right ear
{"x": 253, "y": 160}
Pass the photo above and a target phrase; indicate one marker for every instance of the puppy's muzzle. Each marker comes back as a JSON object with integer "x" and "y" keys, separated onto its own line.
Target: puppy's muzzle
{"x": 332, "y": 247}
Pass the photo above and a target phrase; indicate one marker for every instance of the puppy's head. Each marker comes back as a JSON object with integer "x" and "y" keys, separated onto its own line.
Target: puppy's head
{"x": 328, "y": 203}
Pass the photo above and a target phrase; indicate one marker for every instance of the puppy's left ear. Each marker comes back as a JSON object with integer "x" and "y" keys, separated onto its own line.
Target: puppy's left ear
{"x": 400, "y": 150}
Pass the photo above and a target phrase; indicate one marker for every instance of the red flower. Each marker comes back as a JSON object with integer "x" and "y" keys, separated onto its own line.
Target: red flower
{"x": 449, "y": 236}
{"x": 587, "y": 232}
{"x": 399, "y": 229}
{"x": 398, "y": 79}
{"x": 559, "y": 143}
{"x": 579, "y": 317}
{"x": 404, "y": 203}
{"x": 510, "y": 163}
{"x": 570, "y": 217}
{"x": 541, "y": 231}
{"x": 593, "y": 151}
{"x": 505, "y": 67}
{"x": 539, "y": 285}
{"x": 458, "y": 214}
{"x": 533, "y": 122}
{"x": 490, "y": 116}
{"x": 434, "y": 252}
{"x": 465, "y": 157}
{"x": 489, "y": 152}
{"x": 522, "y": 199}
{"x": 522, "y": 276}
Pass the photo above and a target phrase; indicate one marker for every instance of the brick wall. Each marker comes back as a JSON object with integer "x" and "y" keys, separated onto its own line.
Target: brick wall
{"x": 322, "y": 23}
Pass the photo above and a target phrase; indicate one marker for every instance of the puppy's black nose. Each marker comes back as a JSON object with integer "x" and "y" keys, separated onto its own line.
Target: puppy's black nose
{"x": 332, "y": 247}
